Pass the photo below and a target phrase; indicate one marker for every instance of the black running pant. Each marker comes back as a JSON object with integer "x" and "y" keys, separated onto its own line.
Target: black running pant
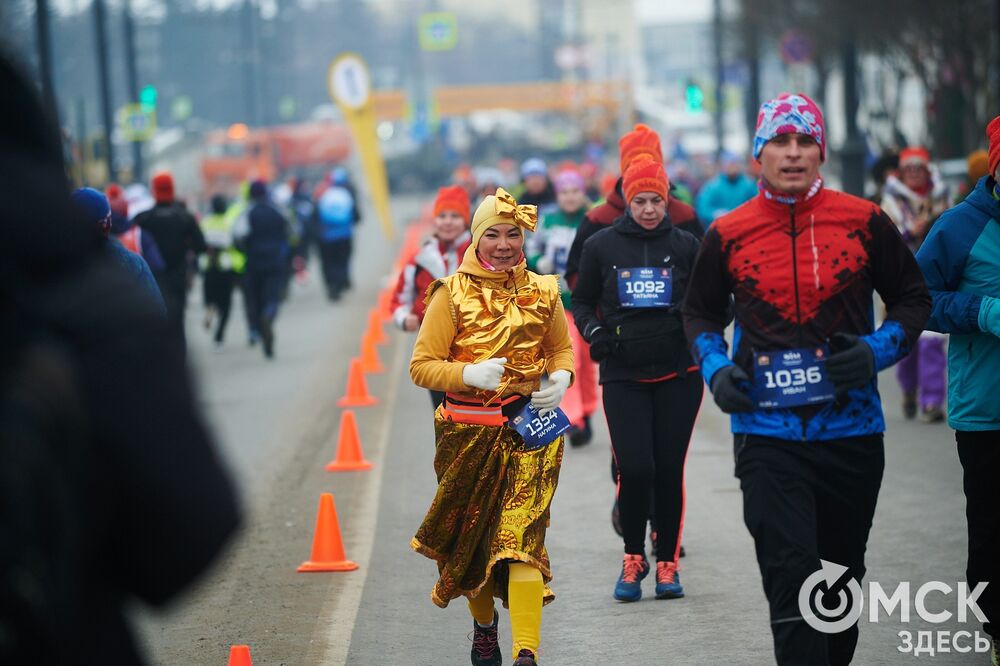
{"x": 980, "y": 456}
{"x": 650, "y": 425}
{"x": 802, "y": 502}
{"x": 218, "y": 292}
{"x": 262, "y": 290}
{"x": 336, "y": 256}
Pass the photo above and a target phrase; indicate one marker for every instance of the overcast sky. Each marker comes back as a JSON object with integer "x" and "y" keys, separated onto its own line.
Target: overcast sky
{"x": 663, "y": 11}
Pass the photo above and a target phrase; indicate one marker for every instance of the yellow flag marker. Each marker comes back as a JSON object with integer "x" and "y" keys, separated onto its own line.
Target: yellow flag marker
{"x": 349, "y": 85}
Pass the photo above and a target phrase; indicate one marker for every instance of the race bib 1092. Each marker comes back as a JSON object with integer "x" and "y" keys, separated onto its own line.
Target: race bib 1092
{"x": 645, "y": 287}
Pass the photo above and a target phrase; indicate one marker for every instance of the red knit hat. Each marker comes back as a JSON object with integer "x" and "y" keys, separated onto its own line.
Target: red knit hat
{"x": 645, "y": 175}
{"x": 993, "y": 134}
{"x": 453, "y": 198}
{"x": 640, "y": 141}
{"x": 162, "y": 185}
{"x": 914, "y": 155}
{"x": 113, "y": 190}
{"x": 116, "y": 198}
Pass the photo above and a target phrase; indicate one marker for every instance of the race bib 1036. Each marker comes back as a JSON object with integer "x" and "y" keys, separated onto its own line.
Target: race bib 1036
{"x": 791, "y": 378}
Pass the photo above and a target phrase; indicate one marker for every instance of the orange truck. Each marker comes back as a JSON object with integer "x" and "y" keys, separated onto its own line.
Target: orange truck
{"x": 239, "y": 154}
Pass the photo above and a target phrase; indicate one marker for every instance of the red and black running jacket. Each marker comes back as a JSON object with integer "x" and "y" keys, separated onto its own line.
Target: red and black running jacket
{"x": 800, "y": 272}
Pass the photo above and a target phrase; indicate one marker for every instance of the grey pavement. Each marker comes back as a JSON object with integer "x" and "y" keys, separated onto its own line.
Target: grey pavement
{"x": 277, "y": 426}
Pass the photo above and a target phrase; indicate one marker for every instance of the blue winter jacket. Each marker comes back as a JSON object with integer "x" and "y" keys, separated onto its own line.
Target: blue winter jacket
{"x": 337, "y": 212}
{"x": 266, "y": 246}
{"x": 138, "y": 269}
{"x": 960, "y": 259}
{"x": 721, "y": 195}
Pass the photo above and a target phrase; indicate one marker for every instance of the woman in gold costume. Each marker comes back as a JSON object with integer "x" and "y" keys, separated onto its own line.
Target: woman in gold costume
{"x": 491, "y": 331}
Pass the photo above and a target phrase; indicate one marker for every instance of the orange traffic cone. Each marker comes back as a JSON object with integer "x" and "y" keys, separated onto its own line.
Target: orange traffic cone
{"x": 239, "y": 655}
{"x": 370, "y": 362}
{"x": 357, "y": 388}
{"x": 375, "y": 329}
{"x": 385, "y": 305}
{"x": 328, "y": 549}
{"x": 349, "y": 457}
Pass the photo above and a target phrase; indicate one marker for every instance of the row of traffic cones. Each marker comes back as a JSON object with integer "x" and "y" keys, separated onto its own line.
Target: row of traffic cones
{"x": 328, "y": 547}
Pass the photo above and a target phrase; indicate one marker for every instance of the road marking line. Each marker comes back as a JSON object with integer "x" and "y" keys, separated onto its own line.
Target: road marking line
{"x": 343, "y": 616}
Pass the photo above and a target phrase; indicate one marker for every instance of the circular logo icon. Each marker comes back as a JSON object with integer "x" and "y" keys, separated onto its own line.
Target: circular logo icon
{"x": 825, "y": 588}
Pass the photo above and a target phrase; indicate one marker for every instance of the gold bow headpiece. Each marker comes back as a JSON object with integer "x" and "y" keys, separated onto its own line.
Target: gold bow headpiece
{"x": 525, "y": 216}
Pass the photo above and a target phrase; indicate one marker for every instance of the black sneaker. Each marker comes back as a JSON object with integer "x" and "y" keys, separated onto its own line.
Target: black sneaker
{"x": 485, "y": 644}
{"x": 581, "y": 436}
{"x": 525, "y": 658}
{"x": 932, "y": 415}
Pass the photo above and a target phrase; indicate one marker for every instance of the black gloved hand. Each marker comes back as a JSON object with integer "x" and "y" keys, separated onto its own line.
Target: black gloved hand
{"x": 602, "y": 344}
{"x": 852, "y": 363}
{"x": 726, "y": 390}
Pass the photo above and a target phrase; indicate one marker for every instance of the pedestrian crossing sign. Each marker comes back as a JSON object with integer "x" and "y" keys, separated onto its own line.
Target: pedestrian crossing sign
{"x": 137, "y": 122}
{"x": 438, "y": 31}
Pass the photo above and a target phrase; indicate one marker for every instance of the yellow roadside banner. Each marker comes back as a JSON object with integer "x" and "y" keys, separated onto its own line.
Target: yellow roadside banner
{"x": 349, "y": 85}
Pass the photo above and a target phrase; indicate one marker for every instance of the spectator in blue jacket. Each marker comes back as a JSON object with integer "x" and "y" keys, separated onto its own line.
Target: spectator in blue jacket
{"x": 960, "y": 259}
{"x": 730, "y": 189}
{"x": 97, "y": 211}
{"x": 337, "y": 213}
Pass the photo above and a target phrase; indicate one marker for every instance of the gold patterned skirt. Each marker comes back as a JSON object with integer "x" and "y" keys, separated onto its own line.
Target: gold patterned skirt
{"x": 492, "y": 506}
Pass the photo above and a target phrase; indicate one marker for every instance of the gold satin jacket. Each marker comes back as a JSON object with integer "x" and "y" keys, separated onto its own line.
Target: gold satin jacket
{"x": 477, "y": 314}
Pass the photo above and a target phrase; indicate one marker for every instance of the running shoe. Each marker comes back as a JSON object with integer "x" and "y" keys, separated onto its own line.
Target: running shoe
{"x": 932, "y": 415}
{"x": 525, "y": 658}
{"x": 485, "y": 644}
{"x": 668, "y": 581}
{"x": 629, "y": 585}
{"x": 581, "y": 436}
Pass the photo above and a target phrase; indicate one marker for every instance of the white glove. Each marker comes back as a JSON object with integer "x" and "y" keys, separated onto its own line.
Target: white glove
{"x": 547, "y": 399}
{"x": 485, "y": 375}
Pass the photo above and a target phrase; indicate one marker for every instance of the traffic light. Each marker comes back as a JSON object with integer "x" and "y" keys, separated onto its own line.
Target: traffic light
{"x": 694, "y": 98}
{"x": 147, "y": 97}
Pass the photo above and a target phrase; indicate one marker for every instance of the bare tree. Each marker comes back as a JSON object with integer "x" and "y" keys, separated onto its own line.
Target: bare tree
{"x": 947, "y": 46}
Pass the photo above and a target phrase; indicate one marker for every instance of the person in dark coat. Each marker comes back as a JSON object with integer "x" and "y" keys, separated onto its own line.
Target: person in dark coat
{"x": 632, "y": 280}
{"x": 267, "y": 249}
{"x": 177, "y": 236}
{"x": 110, "y": 488}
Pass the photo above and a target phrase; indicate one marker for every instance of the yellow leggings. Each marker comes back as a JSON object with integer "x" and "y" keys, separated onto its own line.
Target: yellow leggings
{"x": 524, "y": 596}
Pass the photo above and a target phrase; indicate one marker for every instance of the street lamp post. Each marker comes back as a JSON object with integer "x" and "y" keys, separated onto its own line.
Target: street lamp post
{"x": 42, "y": 32}
{"x": 100, "y": 33}
{"x": 852, "y": 153}
{"x": 717, "y": 30}
{"x": 133, "y": 82}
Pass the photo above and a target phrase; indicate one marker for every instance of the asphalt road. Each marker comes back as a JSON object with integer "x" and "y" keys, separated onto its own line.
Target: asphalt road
{"x": 277, "y": 424}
